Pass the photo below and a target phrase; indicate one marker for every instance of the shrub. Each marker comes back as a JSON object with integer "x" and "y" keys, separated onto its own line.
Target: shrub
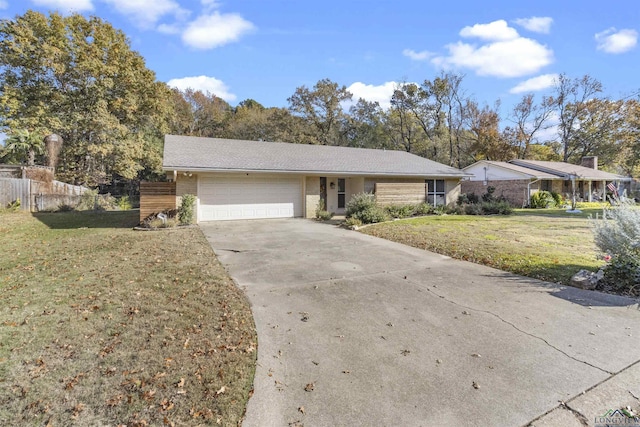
{"x": 488, "y": 196}
{"x": 359, "y": 203}
{"x": 124, "y": 204}
{"x": 440, "y": 210}
{"x": 473, "y": 209}
{"x": 14, "y": 206}
{"x": 352, "y": 222}
{"x": 618, "y": 236}
{"x": 496, "y": 207}
{"x": 321, "y": 212}
{"x": 424, "y": 209}
{"x": 91, "y": 200}
{"x": 324, "y": 215}
{"x": 400, "y": 211}
{"x": 185, "y": 212}
{"x": 87, "y": 200}
{"x": 558, "y": 200}
{"x": 541, "y": 200}
{"x": 363, "y": 207}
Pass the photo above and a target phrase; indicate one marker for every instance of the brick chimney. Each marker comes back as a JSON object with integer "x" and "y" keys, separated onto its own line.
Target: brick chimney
{"x": 590, "y": 162}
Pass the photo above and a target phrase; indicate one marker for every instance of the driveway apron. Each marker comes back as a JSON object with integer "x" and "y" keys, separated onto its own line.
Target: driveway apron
{"x": 358, "y": 331}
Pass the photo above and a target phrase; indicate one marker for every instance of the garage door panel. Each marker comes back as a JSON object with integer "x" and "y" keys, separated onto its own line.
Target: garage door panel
{"x": 228, "y": 198}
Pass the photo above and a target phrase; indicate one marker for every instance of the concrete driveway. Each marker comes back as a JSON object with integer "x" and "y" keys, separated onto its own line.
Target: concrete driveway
{"x": 358, "y": 331}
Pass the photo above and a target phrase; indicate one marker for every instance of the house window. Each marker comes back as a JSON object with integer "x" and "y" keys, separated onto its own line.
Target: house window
{"x": 341, "y": 193}
{"x": 436, "y": 194}
{"x": 545, "y": 185}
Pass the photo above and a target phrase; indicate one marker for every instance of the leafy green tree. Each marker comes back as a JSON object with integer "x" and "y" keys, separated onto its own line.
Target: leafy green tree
{"x": 78, "y": 77}
{"x": 321, "y": 107}
{"x": 22, "y": 146}
{"x": 365, "y": 126}
{"x": 570, "y": 101}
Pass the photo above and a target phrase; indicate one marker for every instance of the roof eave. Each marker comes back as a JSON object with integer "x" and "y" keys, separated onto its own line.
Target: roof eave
{"x": 311, "y": 172}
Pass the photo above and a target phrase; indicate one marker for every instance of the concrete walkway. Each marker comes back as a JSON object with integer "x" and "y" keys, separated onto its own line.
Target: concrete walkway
{"x": 358, "y": 331}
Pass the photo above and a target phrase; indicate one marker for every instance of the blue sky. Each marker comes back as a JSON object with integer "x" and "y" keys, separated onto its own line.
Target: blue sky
{"x": 264, "y": 49}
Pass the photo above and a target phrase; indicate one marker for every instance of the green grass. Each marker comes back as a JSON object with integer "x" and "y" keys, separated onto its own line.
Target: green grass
{"x": 547, "y": 244}
{"x": 103, "y": 325}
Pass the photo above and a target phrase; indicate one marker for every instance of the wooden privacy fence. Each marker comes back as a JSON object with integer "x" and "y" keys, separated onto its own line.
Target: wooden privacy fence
{"x": 12, "y": 189}
{"x": 156, "y": 197}
{"x": 400, "y": 193}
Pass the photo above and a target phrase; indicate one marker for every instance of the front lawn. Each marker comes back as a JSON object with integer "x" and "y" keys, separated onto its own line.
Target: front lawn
{"x": 547, "y": 244}
{"x": 103, "y": 325}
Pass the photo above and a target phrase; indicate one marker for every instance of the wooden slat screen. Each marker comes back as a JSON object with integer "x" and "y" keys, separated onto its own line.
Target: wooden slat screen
{"x": 400, "y": 193}
{"x": 156, "y": 197}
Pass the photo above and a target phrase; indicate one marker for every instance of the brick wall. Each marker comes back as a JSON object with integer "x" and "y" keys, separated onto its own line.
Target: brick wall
{"x": 514, "y": 190}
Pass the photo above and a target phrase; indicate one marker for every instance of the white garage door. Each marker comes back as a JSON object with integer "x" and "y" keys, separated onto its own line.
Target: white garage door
{"x": 249, "y": 197}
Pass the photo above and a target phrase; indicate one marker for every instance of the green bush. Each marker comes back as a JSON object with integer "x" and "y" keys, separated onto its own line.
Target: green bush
{"x": 363, "y": 207}
{"x": 488, "y": 196}
{"x": 87, "y": 200}
{"x": 558, "y": 200}
{"x": 124, "y": 203}
{"x": 186, "y": 210}
{"x": 440, "y": 210}
{"x": 324, "y": 215}
{"x": 496, "y": 207}
{"x": 92, "y": 201}
{"x": 373, "y": 215}
{"x": 473, "y": 209}
{"x": 14, "y": 206}
{"x": 321, "y": 213}
{"x": 400, "y": 211}
{"x": 360, "y": 202}
{"x": 541, "y": 200}
{"x": 618, "y": 236}
{"x": 424, "y": 209}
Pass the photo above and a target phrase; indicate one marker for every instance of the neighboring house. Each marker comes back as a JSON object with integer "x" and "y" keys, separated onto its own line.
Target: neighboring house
{"x": 236, "y": 179}
{"x": 516, "y": 180}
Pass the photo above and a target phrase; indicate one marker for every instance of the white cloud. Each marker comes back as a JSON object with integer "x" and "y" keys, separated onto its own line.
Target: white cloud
{"x": 204, "y": 84}
{"x": 511, "y": 58}
{"x": 502, "y": 52}
{"x": 537, "y": 24}
{"x": 496, "y": 30}
{"x": 146, "y": 13}
{"x": 65, "y": 5}
{"x": 535, "y": 84}
{"x": 614, "y": 41}
{"x": 372, "y": 93}
{"x": 209, "y": 31}
{"x": 417, "y": 56}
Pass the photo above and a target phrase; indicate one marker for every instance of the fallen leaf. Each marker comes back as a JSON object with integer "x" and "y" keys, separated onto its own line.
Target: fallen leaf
{"x": 309, "y": 387}
{"x": 301, "y": 409}
{"x": 222, "y": 390}
{"x": 475, "y": 355}
{"x": 475, "y": 385}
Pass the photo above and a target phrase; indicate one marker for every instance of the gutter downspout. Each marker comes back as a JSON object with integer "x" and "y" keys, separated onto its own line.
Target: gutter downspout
{"x": 529, "y": 190}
